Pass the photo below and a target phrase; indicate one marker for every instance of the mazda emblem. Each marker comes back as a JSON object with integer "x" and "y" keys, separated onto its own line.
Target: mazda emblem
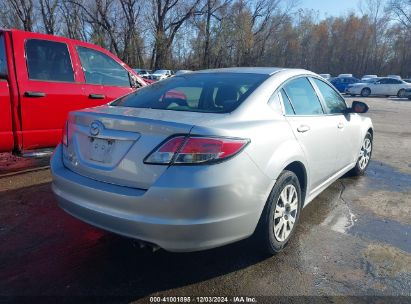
{"x": 95, "y": 128}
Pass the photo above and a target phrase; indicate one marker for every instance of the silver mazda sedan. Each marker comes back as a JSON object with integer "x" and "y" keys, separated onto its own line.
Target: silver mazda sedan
{"x": 208, "y": 158}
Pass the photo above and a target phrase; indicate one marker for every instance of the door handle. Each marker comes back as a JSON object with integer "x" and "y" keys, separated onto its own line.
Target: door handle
{"x": 340, "y": 125}
{"x": 303, "y": 128}
{"x": 34, "y": 94}
{"x": 96, "y": 96}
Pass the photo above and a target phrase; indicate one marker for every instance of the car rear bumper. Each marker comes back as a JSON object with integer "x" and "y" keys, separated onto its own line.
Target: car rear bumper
{"x": 180, "y": 212}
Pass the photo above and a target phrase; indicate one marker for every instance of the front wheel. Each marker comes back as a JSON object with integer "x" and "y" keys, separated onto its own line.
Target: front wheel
{"x": 281, "y": 213}
{"x": 364, "y": 157}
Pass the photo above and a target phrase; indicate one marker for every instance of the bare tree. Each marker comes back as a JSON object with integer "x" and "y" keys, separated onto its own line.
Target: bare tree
{"x": 402, "y": 10}
{"x": 48, "y": 9}
{"x": 74, "y": 21}
{"x": 168, "y": 17}
{"x": 24, "y": 10}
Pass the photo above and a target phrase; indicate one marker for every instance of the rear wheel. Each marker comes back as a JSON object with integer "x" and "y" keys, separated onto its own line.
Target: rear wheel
{"x": 364, "y": 157}
{"x": 365, "y": 92}
{"x": 281, "y": 213}
{"x": 401, "y": 93}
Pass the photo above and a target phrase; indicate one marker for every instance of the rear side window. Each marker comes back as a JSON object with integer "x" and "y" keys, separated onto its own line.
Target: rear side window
{"x": 303, "y": 97}
{"x": 102, "y": 69}
{"x": 195, "y": 92}
{"x": 3, "y": 62}
{"x": 334, "y": 102}
{"x": 49, "y": 61}
{"x": 286, "y": 102}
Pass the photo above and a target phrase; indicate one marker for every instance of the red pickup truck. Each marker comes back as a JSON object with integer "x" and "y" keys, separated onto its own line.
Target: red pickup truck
{"x": 43, "y": 77}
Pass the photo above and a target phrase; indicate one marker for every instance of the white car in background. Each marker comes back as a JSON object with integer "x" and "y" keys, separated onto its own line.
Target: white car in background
{"x": 379, "y": 86}
{"x": 345, "y": 75}
{"x": 394, "y": 76}
{"x": 369, "y": 77}
{"x": 161, "y": 74}
{"x": 326, "y": 76}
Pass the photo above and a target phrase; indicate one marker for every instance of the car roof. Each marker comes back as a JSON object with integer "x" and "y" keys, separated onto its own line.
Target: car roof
{"x": 254, "y": 70}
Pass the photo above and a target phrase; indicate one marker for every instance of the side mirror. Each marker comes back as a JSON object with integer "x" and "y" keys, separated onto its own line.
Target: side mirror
{"x": 359, "y": 107}
{"x": 134, "y": 81}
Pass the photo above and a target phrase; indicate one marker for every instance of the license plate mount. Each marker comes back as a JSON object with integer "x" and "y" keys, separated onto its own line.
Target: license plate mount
{"x": 101, "y": 149}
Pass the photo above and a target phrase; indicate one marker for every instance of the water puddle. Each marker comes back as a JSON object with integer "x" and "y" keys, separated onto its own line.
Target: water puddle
{"x": 381, "y": 176}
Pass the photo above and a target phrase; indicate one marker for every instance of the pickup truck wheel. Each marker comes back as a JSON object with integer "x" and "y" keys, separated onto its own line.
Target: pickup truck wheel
{"x": 364, "y": 156}
{"x": 280, "y": 215}
{"x": 401, "y": 93}
{"x": 365, "y": 92}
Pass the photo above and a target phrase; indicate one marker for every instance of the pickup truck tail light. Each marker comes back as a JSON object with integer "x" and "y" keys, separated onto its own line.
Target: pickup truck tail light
{"x": 64, "y": 138}
{"x": 184, "y": 150}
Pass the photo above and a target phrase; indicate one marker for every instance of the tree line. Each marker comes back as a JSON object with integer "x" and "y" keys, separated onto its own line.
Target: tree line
{"x": 197, "y": 34}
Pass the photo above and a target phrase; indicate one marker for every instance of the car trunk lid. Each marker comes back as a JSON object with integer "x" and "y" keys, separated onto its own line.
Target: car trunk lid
{"x": 110, "y": 144}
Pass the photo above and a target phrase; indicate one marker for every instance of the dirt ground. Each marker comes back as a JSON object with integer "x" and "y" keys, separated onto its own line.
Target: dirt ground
{"x": 353, "y": 240}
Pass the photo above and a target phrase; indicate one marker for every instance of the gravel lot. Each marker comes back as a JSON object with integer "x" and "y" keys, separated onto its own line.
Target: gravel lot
{"x": 353, "y": 240}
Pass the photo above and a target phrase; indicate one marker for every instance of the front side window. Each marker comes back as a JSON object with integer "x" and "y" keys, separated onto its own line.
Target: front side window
{"x": 202, "y": 92}
{"x": 102, "y": 69}
{"x": 3, "y": 62}
{"x": 48, "y": 60}
{"x": 334, "y": 102}
{"x": 303, "y": 97}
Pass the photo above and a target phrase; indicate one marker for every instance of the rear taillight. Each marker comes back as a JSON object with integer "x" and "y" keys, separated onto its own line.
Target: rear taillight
{"x": 195, "y": 150}
{"x": 64, "y": 138}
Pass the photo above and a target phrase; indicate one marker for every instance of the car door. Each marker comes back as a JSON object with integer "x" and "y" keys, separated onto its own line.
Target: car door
{"x": 347, "y": 125}
{"x": 396, "y": 86}
{"x": 6, "y": 124}
{"x": 105, "y": 79}
{"x": 315, "y": 132}
{"x": 381, "y": 87}
{"x": 48, "y": 87}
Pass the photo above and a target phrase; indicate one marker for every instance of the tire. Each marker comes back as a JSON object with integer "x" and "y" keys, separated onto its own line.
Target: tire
{"x": 271, "y": 235}
{"x": 360, "y": 166}
{"x": 401, "y": 93}
{"x": 409, "y": 98}
{"x": 365, "y": 92}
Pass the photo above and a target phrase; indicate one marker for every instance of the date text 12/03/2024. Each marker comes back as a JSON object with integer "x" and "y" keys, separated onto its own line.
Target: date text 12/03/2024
{"x": 238, "y": 299}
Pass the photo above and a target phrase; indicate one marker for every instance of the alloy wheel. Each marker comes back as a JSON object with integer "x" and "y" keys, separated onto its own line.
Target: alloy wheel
{"x": 365, "y": 153}
{"x": 285, "y": 213}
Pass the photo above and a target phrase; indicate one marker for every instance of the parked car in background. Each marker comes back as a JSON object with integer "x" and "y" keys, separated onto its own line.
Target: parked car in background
{"x": 43, "y": 77}
{"x": 407, "y": 80}
{"x": 368, "y": 77}
{"x": 379, "y": 86}
{"x": 345, "y": 75}
{"x": 180, "y": 72}
{"x": 143, "y": 72}
{"x": 161, "y": 74}
{"x": 326, "y": 76}
{"x": 394, "y": 76}
{"x": 204, "y": 171}
{"x": 341, "y": 83}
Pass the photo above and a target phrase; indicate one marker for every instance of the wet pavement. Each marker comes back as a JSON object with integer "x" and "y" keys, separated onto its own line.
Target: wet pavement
{"x": 353, "y": 240}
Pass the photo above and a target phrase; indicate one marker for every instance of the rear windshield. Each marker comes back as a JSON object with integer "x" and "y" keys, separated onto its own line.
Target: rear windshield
{"x": 202, "y": 92}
